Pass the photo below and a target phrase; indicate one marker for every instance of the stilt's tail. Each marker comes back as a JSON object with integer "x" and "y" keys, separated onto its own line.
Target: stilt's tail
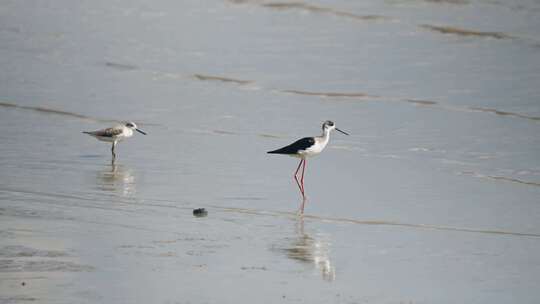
{"x": 285, "y": 150}
{"x": 295, "y": 147}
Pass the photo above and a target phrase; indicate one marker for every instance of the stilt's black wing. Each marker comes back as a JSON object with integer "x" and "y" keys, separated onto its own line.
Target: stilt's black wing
{"x": 296, "y": 146}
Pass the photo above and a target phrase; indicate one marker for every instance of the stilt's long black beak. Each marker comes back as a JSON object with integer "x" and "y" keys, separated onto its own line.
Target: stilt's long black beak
{"x": 342, "y": 131}
{"x": 140, "y": 131}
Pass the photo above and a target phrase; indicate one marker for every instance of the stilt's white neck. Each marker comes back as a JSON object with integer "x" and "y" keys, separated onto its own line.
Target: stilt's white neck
{"x": 325, "y": 136}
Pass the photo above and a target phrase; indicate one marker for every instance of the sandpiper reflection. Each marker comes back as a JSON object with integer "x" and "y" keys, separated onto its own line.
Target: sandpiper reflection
{"x": 314, "y": 250}
{"x": 117, "y": 178}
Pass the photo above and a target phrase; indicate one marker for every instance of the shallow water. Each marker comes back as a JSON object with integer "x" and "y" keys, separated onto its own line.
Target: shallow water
{"x": 434, "y": 198}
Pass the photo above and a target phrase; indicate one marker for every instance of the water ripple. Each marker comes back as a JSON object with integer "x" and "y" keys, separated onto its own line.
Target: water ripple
{"x": 121, "y": 66}
{"x": 222, "y": 79}
{"x": 465, "y": 32}
{"x": 321, "y": 9}
{"x": 55, "y": 111}
{"x": 9, "y": 265}
{"x": 500, "y": 178}
{"x": 17, "y": 251}
{"x": 329, "y": 94}
{"x": 378, "y": 222}
{"x": 471, "y": 109}
{"x": 46, "y": 110}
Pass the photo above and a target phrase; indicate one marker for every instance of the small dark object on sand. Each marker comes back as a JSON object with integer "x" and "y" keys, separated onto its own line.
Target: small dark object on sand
{"x": 23, "y": 283}
{"x": 200, "y": 212}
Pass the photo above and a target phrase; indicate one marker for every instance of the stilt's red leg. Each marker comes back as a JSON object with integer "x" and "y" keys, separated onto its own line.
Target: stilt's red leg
{"x": 296, "y": 177}
{"x": 303, "y": 170}
{"x": 302, "y": 206}
{"x": 303, "y": 191}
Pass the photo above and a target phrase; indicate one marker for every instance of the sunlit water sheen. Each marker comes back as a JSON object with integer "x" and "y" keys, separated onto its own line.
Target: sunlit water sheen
{"x": 434, "y": 198}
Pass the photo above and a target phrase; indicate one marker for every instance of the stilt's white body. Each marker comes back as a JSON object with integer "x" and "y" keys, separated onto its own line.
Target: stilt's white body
{"x": 318, "y": 147}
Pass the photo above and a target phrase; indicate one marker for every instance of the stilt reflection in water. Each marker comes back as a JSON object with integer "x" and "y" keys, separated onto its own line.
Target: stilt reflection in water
{"x": 310, "y": 249}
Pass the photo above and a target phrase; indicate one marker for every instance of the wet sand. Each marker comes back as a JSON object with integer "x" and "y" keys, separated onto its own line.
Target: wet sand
{"x": 432, "y": 199}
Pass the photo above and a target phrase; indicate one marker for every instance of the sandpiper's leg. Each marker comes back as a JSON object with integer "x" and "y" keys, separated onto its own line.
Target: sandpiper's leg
{"x": 112, "y": 151}
{"x": 296, "y": 177}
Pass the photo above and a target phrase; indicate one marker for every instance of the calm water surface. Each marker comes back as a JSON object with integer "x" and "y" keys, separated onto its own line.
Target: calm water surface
{"x": 434, "y": 198}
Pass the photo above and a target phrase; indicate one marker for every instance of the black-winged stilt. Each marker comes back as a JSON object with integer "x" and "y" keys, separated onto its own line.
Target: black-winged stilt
{"x": 304, "y": 148}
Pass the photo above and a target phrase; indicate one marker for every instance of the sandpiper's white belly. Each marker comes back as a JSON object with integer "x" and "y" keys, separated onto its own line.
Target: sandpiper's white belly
{"x": 117, "y": 138}
{"x": 106, "y": 139}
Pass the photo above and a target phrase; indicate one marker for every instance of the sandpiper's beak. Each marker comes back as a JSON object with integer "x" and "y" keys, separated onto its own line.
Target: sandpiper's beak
{"x": 342, "y": 131}
{"x": 140, "y": 131}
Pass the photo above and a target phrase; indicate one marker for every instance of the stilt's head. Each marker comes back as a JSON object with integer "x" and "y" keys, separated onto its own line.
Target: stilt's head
{"x": 330, "y": 125}
{"x": 131, "y": 125}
